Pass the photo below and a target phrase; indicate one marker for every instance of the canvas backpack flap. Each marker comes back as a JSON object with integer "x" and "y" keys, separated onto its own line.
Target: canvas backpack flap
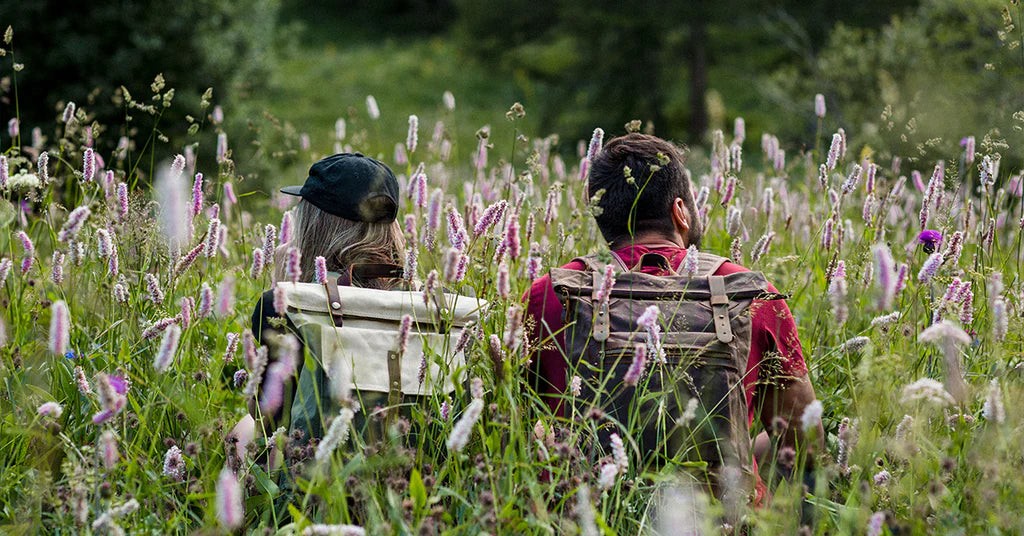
{"x": 364, "y": 351}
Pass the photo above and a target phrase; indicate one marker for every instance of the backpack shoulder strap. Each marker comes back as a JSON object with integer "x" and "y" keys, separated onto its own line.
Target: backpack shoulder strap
{"x": 709, "y": 263}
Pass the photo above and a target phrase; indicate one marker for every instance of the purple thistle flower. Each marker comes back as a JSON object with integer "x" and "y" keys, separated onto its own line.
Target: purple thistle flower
{"x": 636, "y": 368}
{"x": 206, "y": 301}
{"x": 187, "y": 304}
{"x": 222, "y": 148}
{"x": 730, "y": 190}
{"x": 153, "y": 289}
{"x": 74, "y": 223}
{"x": 293, "y": 267}
{"x": 285, "y": 235}
{"x": 930, "y": 267}
{"x": 413, "y": 135}
{"x": 42, "y": 167}
{"x": 457, "y": 236}
{"x": 411, "y": 262}
{"x": 168, "y": 347}
{"x": 460, "y": 433}
{"x": 953, "y": 250}
{"x": 88, "y": 165}
{"x": 929, "y": 240}
{"x": 320, "y": 269}
{"x": 60, "y": 327}
{"x": 189, "y": 258}
{"x": 533, "y": 263}
{"x": 174, "y": 464}
{"x": 404, "y": 329}
{"x": 5, "y": 270}
{"x": 739, "y": 130}
{"x": 503, "y": 285}
{"x": 596, "y": 141}
{"x": 511, "y": 243}
{"x": 269, "y": 242}
{"x": 197, "y": 196}
{"x": 122, "y": 201}
{"x": 158, "y": 327}
{"x": 212, "y": 243}
{"x": 834, "y": 151}
{"x": 57, "y": 268}
{"x": 429, "y": 286}
{"x": 490, "y": 216}
{"x": 232, "y": 347}
{"x": 885, "y": 268}
{"x": 256, "y": 269}
{"x": 230, "y": 511}
{"x": 226, "y": 296}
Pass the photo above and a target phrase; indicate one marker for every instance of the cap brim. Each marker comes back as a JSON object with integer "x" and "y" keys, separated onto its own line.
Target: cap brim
{"x": 292, "y": 190}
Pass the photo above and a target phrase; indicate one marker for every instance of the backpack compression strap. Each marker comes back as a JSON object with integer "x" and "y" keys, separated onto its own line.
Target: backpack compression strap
{"x": 362, "y": 272}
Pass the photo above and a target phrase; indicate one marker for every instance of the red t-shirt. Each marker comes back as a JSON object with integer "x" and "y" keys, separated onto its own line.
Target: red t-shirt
{"x": 773, "y": 330}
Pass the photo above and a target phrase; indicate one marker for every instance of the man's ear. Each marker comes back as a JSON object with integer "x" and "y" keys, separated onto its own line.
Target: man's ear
{"x": 681, "y": 218}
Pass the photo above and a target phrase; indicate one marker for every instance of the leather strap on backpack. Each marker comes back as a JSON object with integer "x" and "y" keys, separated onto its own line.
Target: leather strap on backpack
{"x": 720, "y": 308}
{"x": 334, "y": 299}
{"x": 367, "y": 271}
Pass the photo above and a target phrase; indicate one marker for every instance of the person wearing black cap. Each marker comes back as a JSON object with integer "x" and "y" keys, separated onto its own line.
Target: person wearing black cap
{"x": 347, "y": 214}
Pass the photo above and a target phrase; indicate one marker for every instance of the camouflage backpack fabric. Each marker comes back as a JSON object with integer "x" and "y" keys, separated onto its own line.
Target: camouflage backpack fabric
{"x": 705, "y": 326}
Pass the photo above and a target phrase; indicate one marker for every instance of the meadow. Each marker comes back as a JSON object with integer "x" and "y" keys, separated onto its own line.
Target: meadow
{"x": 128, "y": 276}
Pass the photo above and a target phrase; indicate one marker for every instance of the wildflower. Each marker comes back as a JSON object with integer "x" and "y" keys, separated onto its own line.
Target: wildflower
{"x": 691, "y": 261}
{"x": 476, "y": 387}
{"x": 42, "y": 166}
{"x": 403, "y": 334}
{"x": 1000, "y": 320}
{"x": 954, "y": 248}
{"x": 576, "y": 385}
{"x": 885, "y": 320}
{"x": 819, "y": 106}
{"x": 320, "y": 269}
{"x": 168, "y": 347}
{"x": 930, "y": 267}
{"x": 734, "y": 221}
{"x": 272, "y": 395}
{"x": 585, "y": 512}
{"x": 968, "y": 144}
{"x": 107, "y": 447}
{"x": 222, "y": 148}
{"x": 967, "y": 305}
{"x": 413, "y": 135}
{"x": 5, "y": 270}
{"x": 74, "y": 223}
{"x": 50, "y": 409}
{"x": 258, "y": 368}
{"x": 158, "y": 327}
{"x": 185, "y": 316}
{"x": 689, "y": 413}
{"x": 226, "y": 296}
{"x": 122, "y": 200}
{"x": 88, "y": 165}
{"x": 852, "y": 179}
{"x": 433, "y": 218}
{"x": 69, "y": 112}
{"x": 171, "y": 191}
{"x": 619, "y": 453}
{"x": 730, "y": 190}
{"x": 608, "y": 473}
{"x": 503, "y": 284}
{"x": 419, "y": 187}
{"x": 649, "y": 321}
{"x": 834, "y": 151}
{"x": 636, "y": 368}
{"x": 318, "y": 529}
{"x": 232, "y": 347}
{"x": 212, "y": 242}
{"x": 739, "y": 130}
{"x": 293, "y": 268}
{"x": 457, "y": 236}
{"x": 230, "y": 511}
{"x": 876, "y": 524}
{"x": 57, "y": 268}
{"x": 944, "y": 331}
{"x": 855, "y": 344}
{"x": 285, "y": 235}
{"x": 60, "y": 321}
{"x": 82, "y": 381}
{"x": 926, "y": 390}
{"x": 174, "y": 464}
{"x": 533, "y": 263}
{"x": 993, "y": 409}
{"x": 460, "y": 433}
{"x": 371, "y": 108}
{"x": 240, "y": 377}
{"x": 929, "y": 240}
{"x": 810, "y": 419}
{"x": 206, "y": 301}
{"x": 256, "y": 268}
{"x": 885, "y": 267}
{"x": 762, "y": 246}
{"x": 112, "y": 390}
{"x": 604, "y": 290}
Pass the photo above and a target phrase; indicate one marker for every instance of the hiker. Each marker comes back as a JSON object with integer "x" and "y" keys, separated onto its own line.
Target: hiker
{"x": 649, "y": 219}
{"x": 347, "y": 214}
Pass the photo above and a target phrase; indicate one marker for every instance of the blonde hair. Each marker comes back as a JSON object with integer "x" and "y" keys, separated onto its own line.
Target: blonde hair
{"x": 343, "y": 243}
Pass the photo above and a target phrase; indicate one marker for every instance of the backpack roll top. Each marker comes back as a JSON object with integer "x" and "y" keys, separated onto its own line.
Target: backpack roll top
{"x": 356, "y": 335}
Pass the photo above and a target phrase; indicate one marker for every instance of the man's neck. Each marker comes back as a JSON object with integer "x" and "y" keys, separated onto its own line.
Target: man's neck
{"x": 651, "y": 240}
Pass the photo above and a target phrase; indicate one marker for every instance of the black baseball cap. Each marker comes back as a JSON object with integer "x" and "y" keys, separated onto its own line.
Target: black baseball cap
{"x": 351, "y": 186}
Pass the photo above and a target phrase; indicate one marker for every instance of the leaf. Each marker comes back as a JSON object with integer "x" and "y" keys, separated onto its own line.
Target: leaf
{"x": 264, "y": 481}
{"x": 417, "y": 490}
{"x": 7, "y": 212}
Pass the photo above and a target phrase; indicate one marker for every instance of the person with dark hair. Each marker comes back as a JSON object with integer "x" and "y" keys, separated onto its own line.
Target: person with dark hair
{"x": 646, "y": 212}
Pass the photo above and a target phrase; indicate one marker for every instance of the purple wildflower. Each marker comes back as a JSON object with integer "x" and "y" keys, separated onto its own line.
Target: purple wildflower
{"x": 293, "y": 267}
{"x": 88, "y": 165}
{"x": 929, "y": 239}
{"x": 42, "y": 167}
{"x": 122, "y": 200}
{"x": 636, "y": 368}
{"x": 730, "y": 191}
{"x": 226, "y": 296}
{"x": 413, "y": 135}
{"x": 819, "y": 106}
{"x": 457, "y": 236}
{"x": 691, "y": 261}
{"x": 187, "y": 304}
{"x": 5, "y": 270}
{"x": 285, "y": 236}
{"x": 533, "y": 263}
{"x": 189, "y": 258}
{"x": 834, "y": 151}
{"x": 511, "y": 243}
{"x": 901, "y": 278}
{"x": 168, "y": 347}
{"x": 596, "y": 141}
{"x": 953, "y": 250}
{"x": 739, "y": 130}
{"x": 74, "y": 223}
{"x": 174, "y": 464}
{"x": 107, "y": 447}
{"x": 885, "y": 268}
{"x": 57, "y": 268}
{"x": 158, "y": 327}
{"x": 232, "y": 347}
{"x": 930, "y": 267}
{"x": 60, "y": 327}
{"x": 153, "y": 289}
{"x": 230, "y": 510}
{"x": 460, "y": 433}
{"x": 256, "y": 269}
{"x": 206, "y": 301}
{"x": 320, "y": 269}
{"x": 503, "y": 284}
{"x": 649, "y": 321}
